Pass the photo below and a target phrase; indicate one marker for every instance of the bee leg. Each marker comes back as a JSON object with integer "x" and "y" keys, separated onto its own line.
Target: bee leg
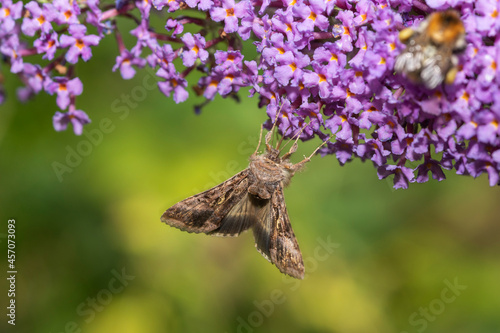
{"x": 451, "y": 75}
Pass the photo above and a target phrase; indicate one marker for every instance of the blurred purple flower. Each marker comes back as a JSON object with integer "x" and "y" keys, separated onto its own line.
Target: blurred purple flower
{"x": 39, "y": 18}
{"x": 125, "y": 61}
{"x": 77, "y": 118}
{"x": 195, "y": 49}
{"x": 64, "y": 88}
{"x": 9, "y": 13}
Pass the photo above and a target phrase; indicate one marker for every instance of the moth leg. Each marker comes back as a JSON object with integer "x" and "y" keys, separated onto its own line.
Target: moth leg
{"x": 269, "y": 134}
{"x": 293, "y": 148}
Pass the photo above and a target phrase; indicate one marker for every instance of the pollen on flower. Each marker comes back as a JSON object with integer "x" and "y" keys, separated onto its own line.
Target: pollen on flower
{"x": 382, "y": 61}
{"x": 79, "y": 43}
{"x": 213, "y": 83}
{"x": 174, "y": 82}
{"x": 322, "y": 78}
{"x": 495, "y": 123}
{"x": 358, "y": 74}
{"x": 230, "y": 12}
{"x": 67, "y": 14}
{"x": 494, "y": 14}
{"x": 473, "y": 123}
{"x": 312, "y": 16}
{"x": 230, "y": 57}
{"x": 465, "y": 96}
{"x": 334, "y": 57}
{"x": 363, "y": 17}
{"x": 346, "y": 30}
{"x": 349, "y": 93}
{"x": 409, "y": 141}
{"x": 62, "y": 87}
{"x": 392, "y": 46}
{"x": 343, "y": 118}
{"x": 51, "y": 43}
{"x": 293, "y": 66}
{"x": 288, "y": 27}
{"x": 230, "y": 77}
{"x": 41, "y": 19}
{"x": 494, "y": 65}
{"x": 281, "y": 50}
{"x": 438, "y": 94}
{"x": 6, "y": 12}
{"x": 196, "y": 49}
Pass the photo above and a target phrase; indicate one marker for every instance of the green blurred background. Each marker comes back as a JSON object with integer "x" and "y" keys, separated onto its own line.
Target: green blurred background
{"x": 395, "y": 253}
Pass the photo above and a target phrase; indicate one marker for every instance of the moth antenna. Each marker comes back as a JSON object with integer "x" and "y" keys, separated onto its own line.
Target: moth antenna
{"x": 307, "y": 159}
{"x": 260, "y": 140}
{"x": 321, "y": 145}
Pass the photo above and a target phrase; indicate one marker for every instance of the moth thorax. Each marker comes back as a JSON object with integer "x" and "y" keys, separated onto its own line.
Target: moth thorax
{"x": 266, "y": 170}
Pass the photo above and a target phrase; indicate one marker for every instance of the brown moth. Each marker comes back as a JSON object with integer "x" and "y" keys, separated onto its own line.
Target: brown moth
{"x": 252, "y": 199}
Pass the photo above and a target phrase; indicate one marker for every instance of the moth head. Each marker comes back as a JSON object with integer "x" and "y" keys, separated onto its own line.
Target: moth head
{"x": 273, "y": 154}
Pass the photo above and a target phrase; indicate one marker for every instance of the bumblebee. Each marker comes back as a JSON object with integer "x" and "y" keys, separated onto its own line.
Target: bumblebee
{"x": 431, "y": 50}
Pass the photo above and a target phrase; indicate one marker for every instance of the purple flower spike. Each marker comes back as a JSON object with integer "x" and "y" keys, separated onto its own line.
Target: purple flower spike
{"x": 327, "y": 66}
{"x": 77, "y": 118}
{"x": 78, "y": 43}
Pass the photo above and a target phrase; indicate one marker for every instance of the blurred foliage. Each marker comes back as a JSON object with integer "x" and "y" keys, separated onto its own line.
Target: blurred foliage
{"x": 396, "y": 253}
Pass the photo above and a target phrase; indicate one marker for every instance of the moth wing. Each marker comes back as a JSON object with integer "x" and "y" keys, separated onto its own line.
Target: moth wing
{"x": 205, "y": 212}
{"x": 275, "y": 239}
{"x": 240, "y": 218}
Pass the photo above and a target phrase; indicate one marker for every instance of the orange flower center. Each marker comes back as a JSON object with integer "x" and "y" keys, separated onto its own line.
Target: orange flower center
{"x": 79, "y": 43}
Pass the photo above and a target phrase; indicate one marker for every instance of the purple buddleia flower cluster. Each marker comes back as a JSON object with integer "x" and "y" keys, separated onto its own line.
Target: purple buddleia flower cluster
{"x": 323, "y": 67}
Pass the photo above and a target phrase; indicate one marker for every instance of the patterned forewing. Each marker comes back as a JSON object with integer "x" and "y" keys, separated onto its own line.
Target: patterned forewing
{"x": 204, "y": 212}
{"x": 240, "y": 218}
{"x": 284, "y": 248}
